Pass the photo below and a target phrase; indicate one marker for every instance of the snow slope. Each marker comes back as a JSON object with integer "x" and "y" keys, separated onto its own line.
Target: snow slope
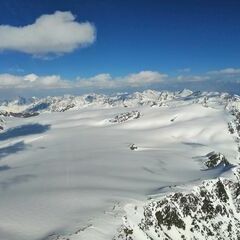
{"x": 69, "y": 174}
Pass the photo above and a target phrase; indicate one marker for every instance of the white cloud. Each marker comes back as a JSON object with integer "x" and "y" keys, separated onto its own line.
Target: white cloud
{"x": 9, "y": 80}
{"x": 226, "y": 71}
{"x": 32, "y": 81}
{"x": 103, "y": 80}
{"x": 222, "y": 75}
{"x": 144, "y": 77}
{"x": 30, "y": 77}
{"x": 56, "y": 33}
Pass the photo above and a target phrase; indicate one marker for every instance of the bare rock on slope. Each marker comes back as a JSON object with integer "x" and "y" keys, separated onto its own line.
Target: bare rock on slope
{"x": 210, "y": 211}
{"x": 123, "y": 117}
{"x": 215, "y": 159}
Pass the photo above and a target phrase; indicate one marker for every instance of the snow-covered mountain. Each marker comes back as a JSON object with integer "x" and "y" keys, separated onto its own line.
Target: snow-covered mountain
{"x": 210, "y": 210}
{"x": 150, "y": 165}
{"x": 148, "y": 97}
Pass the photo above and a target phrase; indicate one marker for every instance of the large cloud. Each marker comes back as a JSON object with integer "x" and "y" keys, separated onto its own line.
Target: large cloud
{"x": 56, "y": 33}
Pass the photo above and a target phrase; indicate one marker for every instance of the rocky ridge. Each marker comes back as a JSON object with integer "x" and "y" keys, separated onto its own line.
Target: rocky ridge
{"x": 210, "y": 211}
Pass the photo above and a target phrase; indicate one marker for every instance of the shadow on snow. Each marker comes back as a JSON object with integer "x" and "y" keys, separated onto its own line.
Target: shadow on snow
{"x": 16, "y": 180}
{"x": 14, "y": 148}
{"x": 24, "y": 130}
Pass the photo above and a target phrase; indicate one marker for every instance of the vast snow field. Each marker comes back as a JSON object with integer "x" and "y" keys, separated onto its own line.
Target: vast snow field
{"x": 74, "y": 172}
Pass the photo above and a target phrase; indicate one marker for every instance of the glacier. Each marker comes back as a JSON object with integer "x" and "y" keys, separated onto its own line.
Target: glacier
{"x": 68, "y": 168}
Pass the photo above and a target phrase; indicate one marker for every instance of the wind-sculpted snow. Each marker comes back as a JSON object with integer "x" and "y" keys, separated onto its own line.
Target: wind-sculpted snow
{"x": 69, "y": 173}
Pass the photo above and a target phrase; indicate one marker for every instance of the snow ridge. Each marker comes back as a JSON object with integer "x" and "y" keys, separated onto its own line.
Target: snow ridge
{"x": 152, "y": 98}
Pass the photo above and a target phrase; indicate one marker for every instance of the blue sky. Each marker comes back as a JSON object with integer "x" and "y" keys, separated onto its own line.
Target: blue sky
{"x": 187, "y": 43}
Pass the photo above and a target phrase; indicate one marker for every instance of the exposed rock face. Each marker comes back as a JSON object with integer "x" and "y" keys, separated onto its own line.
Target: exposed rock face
{"x": 209, "y": 211}
{"x": 234, "y": 125}
{"x": 133, "y": 147}
{"x": 215, "y": 159}
{"x": 123, "y": 117}
{"x": 1, "y": 124}
{"x": 19, "y": 114}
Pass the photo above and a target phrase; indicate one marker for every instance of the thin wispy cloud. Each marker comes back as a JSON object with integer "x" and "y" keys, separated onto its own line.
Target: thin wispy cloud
{"x": 56, "y": 34}
{"x": 221, "y": 75}
{"x": 184, "y": 70}
{"x": 226, "y": 71}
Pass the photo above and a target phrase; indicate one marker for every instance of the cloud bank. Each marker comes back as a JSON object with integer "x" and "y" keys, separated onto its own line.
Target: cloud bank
{"x": 106, "y": 81}
{"x": 56, "y": 33}
{"x": 32, "y": 81}
{"x": 103, "y": 80}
